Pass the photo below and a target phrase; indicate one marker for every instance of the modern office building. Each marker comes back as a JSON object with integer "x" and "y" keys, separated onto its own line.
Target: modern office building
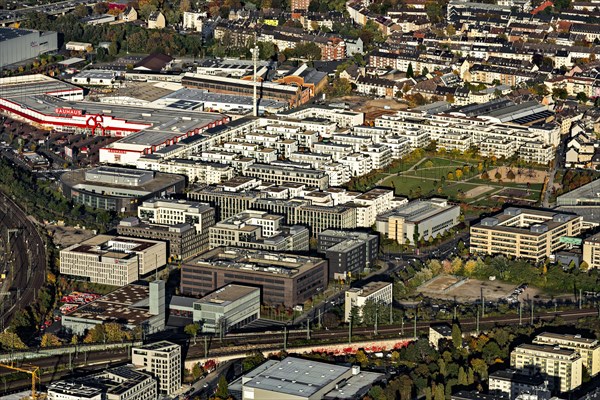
{"x": 591, "y": 251}
{"x": 283, "y": 278}
{"x": 347, "y": 260}
{"x": 512, "y": 383}
{"x": 529, "y": 233}
{"x": 182, "y": 224}
{"x": 348, "y": 252}
{"x": 118, "y": 189}
{"x": 564, "y": 365}
{"x": 378, "y": 292}
{"x": 418, "y": 220}
{"x": 183, "y": 241}
{"x": 113, "y": 260}
{"x": 331, "y": 237}
{"x": 132, "y": 306}
{"x": 163, "y": 361}
{"x": 170, "y": 212}
{"x": 227, "y": 308}
{"x": 298, "y": 379}
{"x": 588, "y": 349}
{"x": 259, "y": 230}
{"x": 116, "y": 383}
{"x": 18, "y": 45}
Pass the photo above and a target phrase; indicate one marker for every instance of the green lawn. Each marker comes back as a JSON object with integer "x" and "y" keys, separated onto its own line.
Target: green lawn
{"x": 407, "y": 186}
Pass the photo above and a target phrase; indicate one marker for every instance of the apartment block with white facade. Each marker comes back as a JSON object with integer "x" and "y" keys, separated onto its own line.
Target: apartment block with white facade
{"x": 588, "y": 348}
{"x": 564, "y": 365}
{"x": 162, "y": 360}
{"x": 196, "y": 171}
{"x": 378, "y": 292}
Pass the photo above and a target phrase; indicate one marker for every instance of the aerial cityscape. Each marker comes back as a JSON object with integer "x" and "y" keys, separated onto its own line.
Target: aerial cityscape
{"x": 300, "y": 199}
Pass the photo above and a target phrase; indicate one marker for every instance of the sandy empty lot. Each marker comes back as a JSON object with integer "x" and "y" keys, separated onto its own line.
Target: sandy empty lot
{"x": 465, "y": 289}
{"x": 522, "y": 175}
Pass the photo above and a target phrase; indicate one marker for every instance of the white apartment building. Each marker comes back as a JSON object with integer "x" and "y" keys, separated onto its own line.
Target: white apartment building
{"x": 337, "y": 151}
{"x": 193, "y": 20}
{"x": 356, "y": 141}
{"x": 358, "y": 163}
{"x": 562, "y": 364}
{"x": 455, "y": 131}
{"x": 513, "y": 383}
{"x": 381, "y": 155}
{"x": 113, "y": 260}
{"x": 338, "y": 173}
{"x": 315, "y": 160}
{"x": 171, "y": 212}
{"x": 196, "y": 171}
{"x": 162, "y": 360}
{"x": 378, "y": 292}
{"x": 588, "y": 349}
{"x": 399, "y": 145}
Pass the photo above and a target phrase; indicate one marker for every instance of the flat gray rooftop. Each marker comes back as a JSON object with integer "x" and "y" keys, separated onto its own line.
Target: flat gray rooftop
{"x": 295, "y": 376}
{"x": 202, "y": 96}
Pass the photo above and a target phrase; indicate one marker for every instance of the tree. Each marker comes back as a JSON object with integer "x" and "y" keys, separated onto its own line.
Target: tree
{"x": 10, "y": 340}
{"x": 491, "y": 351}
{"x": 510, "y": 175}
{"x": 341, "y": 87}
{"x": 456, "y": 336}
{"x": 409, "y": 71}
{"x": 450, "y": 176}
{"x": 485, "y": 175}
{"x": 100, "y": 8}
{"x": 361, "y": 358}
{"x": 222, "y": 388}
{"x": 81, "y": 10}
{"x": 377, "y": 393}
{"x": 192, "y": 330}
{"x": 50, "y": 340}
{"x": 196, "y": 371}
{"x": 434, "y": 11}
{"x": 498, "y": 175}
{"x": 462, "y": 377}
{"x": 584, "y": 266}
{"x": 253, "y": 361}
{"x": 458, "y": 173}
{"x": 582, "y": 97}
{"x": 185, "y": 5}
{"x": 560, "y": 93}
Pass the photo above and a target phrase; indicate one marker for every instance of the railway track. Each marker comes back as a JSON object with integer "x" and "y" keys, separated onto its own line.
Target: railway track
{"x": 26, "y": 256}
{"x": 272, "y": 341}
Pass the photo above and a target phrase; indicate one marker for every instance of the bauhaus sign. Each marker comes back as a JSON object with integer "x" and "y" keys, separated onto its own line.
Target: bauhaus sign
{"x": 68, "y": 111}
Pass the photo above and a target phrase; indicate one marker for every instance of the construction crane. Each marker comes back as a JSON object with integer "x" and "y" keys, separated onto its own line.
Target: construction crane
{"x": 33, "y": 371}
